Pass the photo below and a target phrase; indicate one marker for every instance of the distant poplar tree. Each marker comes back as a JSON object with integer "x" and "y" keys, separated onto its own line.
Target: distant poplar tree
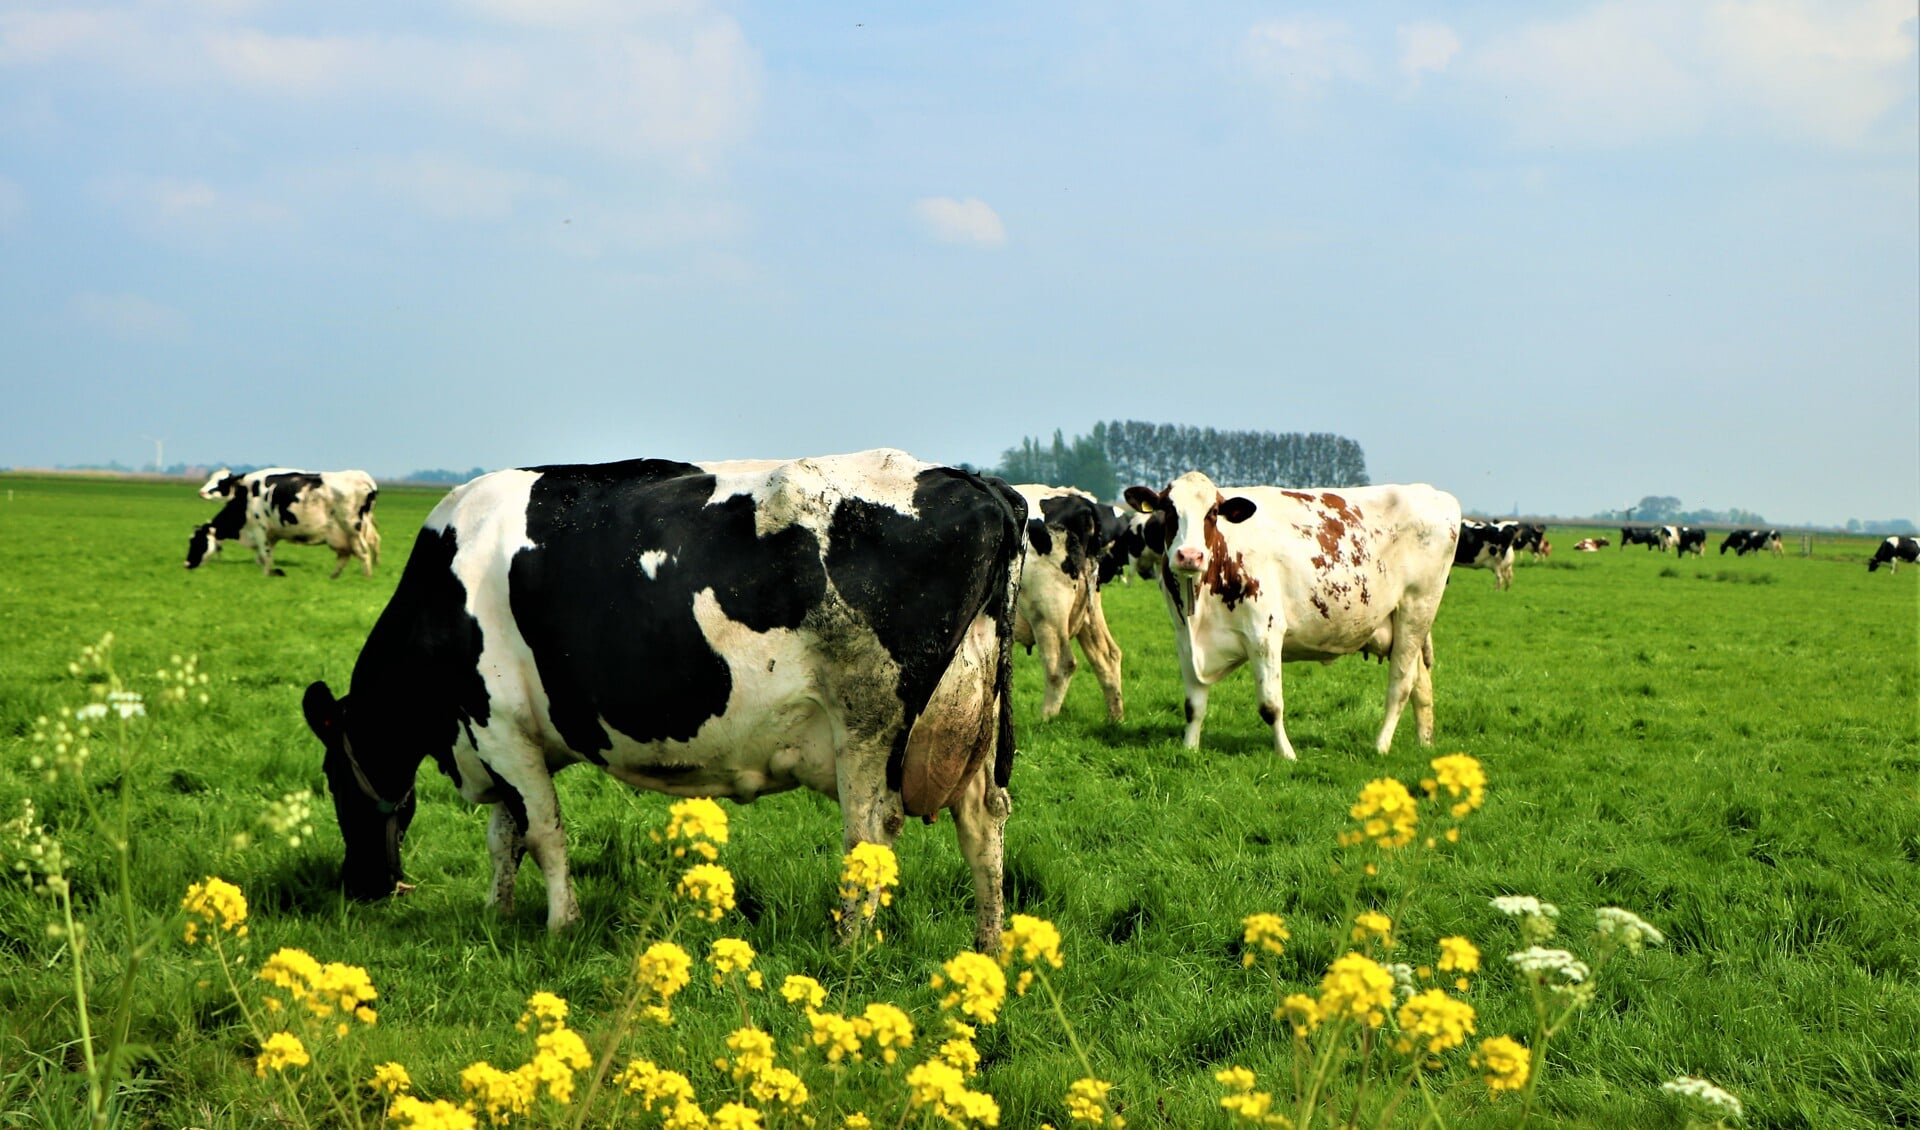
{"x": 1155, "y": 454}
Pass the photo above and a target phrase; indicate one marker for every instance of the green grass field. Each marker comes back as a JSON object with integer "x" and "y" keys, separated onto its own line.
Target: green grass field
{"x": 1730, "y": 748}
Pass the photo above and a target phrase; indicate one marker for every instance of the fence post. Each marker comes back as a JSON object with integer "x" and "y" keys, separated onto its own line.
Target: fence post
{"x": 1806, "y": 545}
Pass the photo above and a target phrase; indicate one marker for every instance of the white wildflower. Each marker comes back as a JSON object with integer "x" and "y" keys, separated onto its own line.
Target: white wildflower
{"x": 291, "y": 817}
{"x": 1544, "y": 964}
{"x": 1536, "y": 917}
{"x": 1625, "y": 928}
{"x": 91, "y": 712}
{"x": 1723, "y": 1104}
{"x": 1403, "y": 985}
{"x": 128, "y": 704}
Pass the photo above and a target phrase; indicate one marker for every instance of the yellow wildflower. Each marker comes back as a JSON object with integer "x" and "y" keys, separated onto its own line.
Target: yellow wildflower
{"x": 1263, "y": 932}
{"x": 940, "y": 1088}
{"x": 685, "y": 1116}
{"x": 736, "y": 1116}
{"x": 979, "y": 986}
{"x": 1458, "y": 955}
{"x": 1462, "y": 777}
{"x": 664, "y": 969}
{"x": 545, "y": 1011}
{"x": 410, "y": 1113}
{"x": 960, "y": 1053}
{"x": 834, "y": 1032}
{"x": 711, "y": 887}
{"x": 889, "y": 1028}
{"x": 1255, "y": 1107}
{"x": 1436, "y": 1018}
{"x": 1372, "y": 923}
{"x": 727, "y": 956}
{"x": 559, "y": 1053}
{"x": 857, "y": 1121}
{"x": 322, "y": 989}
{"x": 1032, "y": 940}
{"x": 1236, "y": 1077}
{"x": 869, "y": 874}
{"x": 752, "y": 1052}
{"x": 1357, "y": 987}
{"x": 778, "y": 1085}
{"x": 391, "y": 1079}
{"x": 653, "y": 1084}
{"x": 281, "y": 1051}
{"x": 1302, "y": 1011}
{"x": 499, "y": 1094}
{"x": 700, "y": 823}
{"x": 1386, "y": 813}
{"x": 1087, "y": 1102}
{"x": 217, "y": 903}
{"x": 1506, "y": 1062}
{"x": 799, "y": 987}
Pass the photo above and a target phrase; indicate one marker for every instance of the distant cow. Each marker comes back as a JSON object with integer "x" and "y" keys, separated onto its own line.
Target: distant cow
{"x": 1743, "y": 542}
{"x": 1060, "y": 593}
{"x": 1488, "y": 545}
{"x": 1893, "y": 551}
{"x": 1530, "y": 537}
{"x": 1736, "y": 540}
{"x": 330, "y": 508}
{"x": 1689, "y": 539}
{"x": 1121, "y": 544}
{"x": 842, "y": 624}
{"x": 1264, "y": 576}
{"x": 1590, "y": 545}
{"x": 1653, "y": 537}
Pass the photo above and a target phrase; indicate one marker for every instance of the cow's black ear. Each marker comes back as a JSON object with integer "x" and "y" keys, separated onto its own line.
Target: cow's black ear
{"x": 1238, "y": 508}
{"x": 323, "y": 713}
{"x": 1142, "y": 499}
{"x": 1038, "y": 535}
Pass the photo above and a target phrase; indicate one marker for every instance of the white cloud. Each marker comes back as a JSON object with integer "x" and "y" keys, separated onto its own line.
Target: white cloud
{"x": 1303, "y": 56}
{"x": 961, "y": 221}
{"x": 173, "y": 208}
{"x": 1426, "y": 47}
{"x": 1625, "y": 71}
{"x": 126, "y": 315}
{"x": 13, "y": 205}
{"x": 288, "y": 64}
{"x": 449, "y": 187}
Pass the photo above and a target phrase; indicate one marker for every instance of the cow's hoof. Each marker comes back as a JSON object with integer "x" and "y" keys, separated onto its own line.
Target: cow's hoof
{"x": 401, "y": 890}
{"x": 278, "y": 573}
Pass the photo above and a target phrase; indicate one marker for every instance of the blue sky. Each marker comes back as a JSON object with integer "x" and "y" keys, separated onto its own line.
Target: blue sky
{"x": 1553, "y": 255}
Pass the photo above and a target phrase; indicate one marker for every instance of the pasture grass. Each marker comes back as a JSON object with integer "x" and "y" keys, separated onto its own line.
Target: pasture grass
{"x": 1729, "y": 747}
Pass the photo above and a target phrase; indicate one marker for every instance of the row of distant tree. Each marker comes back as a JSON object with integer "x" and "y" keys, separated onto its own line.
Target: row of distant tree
{"x": 1119, "y": 453}
{"x": 1666, "y": 509}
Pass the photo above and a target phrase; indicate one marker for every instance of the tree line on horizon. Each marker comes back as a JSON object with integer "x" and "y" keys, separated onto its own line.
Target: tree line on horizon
{"x": 1119, "y": 453}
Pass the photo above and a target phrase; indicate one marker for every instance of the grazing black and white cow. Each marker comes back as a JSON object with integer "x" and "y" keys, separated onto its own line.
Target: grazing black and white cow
{"x": 1530, "y": 536}
{"x": 1060, "y": 594}
{"x": 1689, "y": 539}
{"x": 330, "y": 508}
{"x": 1893, "y": 551}
{"x": 1736, "y": 540}
{"x": 1265, "y": 576}
{"x": 1653, "y": 537}
{"x": 1488, "y": 545}
{"x": 843, "y": 624}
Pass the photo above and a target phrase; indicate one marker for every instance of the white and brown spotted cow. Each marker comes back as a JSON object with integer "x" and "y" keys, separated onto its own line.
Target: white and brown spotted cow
{"x": 1263, "y": 575}
{"x": 1060, "y": 593}
{"x": 330, "y": 508}
{"x": 842, "y": 624}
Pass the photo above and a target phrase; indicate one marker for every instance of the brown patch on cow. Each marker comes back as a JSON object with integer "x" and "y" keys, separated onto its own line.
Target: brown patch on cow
{"x": 1326, "y": 613}
{"x": 1226, "y": 576}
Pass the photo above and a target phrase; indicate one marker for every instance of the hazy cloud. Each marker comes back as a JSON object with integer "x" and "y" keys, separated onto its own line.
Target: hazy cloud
{"x": 1426, "y": 48}
{"x": 1303, "y": 56}
{"x": 180, "y": 208}
{"x": 961, "y": 221}
{"x": 126, "y": 315}
{"x": 449, "y": 187}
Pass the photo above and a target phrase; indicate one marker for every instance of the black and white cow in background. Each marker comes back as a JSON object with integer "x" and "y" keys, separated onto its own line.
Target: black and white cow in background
{"x": 1736, "y": 540}
{"x": 330, "y": 508}
{"x": 727, "y": 629}
{"x": 1487, "y": 545}
{"x": 1532, "y": 537}
{"x": 1743, "y": 542}
{"x": 1689, "y": 539}
{"x": 1265, "y": 576}
{"x": 1653, "y": 537}
{"x": 1893, "y": 551}
{"x": 1060, "y": 594}
{"x": 1121, "y": 544}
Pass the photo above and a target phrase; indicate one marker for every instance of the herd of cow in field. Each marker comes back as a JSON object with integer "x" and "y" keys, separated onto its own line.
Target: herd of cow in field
{"x": 843, "y": 623}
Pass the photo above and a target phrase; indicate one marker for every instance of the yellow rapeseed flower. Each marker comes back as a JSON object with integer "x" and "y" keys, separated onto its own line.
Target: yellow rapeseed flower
{"x": 1302, "y": 1011}
{"x": 868, "y": 875}
{"x": 1386, "y": 813}
{"x": 1505, "y": 1061}
{"x": 939, "y": 1087}
{"x": 1436, "y": 1018}
{"x": 545, "y": 1012}
{"x": 1264, "y": 932}
{"x": 499, "y": 1094}
{"x": 779, "y": 1086}
{"x": 281, "y": 1051}
{"x": 834, "y": 1032}
{"x": 1087, "y": 1102}
{"x": 653, "y": 1084}
{"x": 322, "y": 989}
{"x": 960, "y": 1053}
{"x": 1032, "y": 940}
{"x": 559, "y": 1054}
{"x": 696, "y": 825}
{"x": 889, "y": 1028}
{"x": 799, "y": 988}
{"x": 410, "y": 1113}
{"x": 1255, "y": 1107}
{"x": 710, "y": 887}
{"x": 1458, "y": 955}
{"x": 217, "y": 903}
{"x": 391, "y": 1079}
{"x": 663, "y": 970}
{"x": 1461, "y": 776}
{"x": 736, "y": 1116}
{"x": 685, "y": 1116}
{"x": 752, "y": 1052}
{"x": 1357, "y": 987}
{"x": 857, "y": 1121}
{"x": 729, "y": 956}
{"x": 979, "y": 987}
{"x": 1236, "y": 1078}
{"x": 1372, "y": 924}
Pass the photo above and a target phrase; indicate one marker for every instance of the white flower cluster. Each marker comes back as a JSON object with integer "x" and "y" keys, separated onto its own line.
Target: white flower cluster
{"x": 1723, "y": 1105}
{"x": 93, "y": 657}
{"x": 291, "y": 817}
{"x": 177, "y": 681}
{"x": 1536, "y": 917}
{"x": 39, "y": 859}
{"x": 1618, "y": 927}
{"x": 69, "y": 749}
{"x": 127, "y": 704}
{"x": 1403, "y": 984}
{"x": 1545, "y": 964}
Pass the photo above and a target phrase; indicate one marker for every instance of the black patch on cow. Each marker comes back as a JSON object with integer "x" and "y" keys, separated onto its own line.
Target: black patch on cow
{"x": 919, "y": 581}
{"x": 1268, "y": 714}
{"x": 1479, "y": 537}
{"x": 1078, "y": 521}
{"x": 612, "y": 642}
{"x": 283, "y": 491}
{"x": 1186, "y": 706}
{"x": 1037, "y": 534}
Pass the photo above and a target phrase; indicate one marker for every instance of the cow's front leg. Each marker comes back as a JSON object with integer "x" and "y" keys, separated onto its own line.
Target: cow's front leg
{"x": 871, "y": 814}
{"x": 980, "y": 822}
{"x": 1404, "y": 664}
{"x": 1196, "y": 697}
{"x": 1423, "y": 693}
{"x": 340, "y": 559}
{"x": 1056, "y": 657}
{"x": 506, "y": 846}
{"x": 1265, "y": 663}
{"x": 543, "y": 836}
{"x": 262, "y": 553}
{"x": 1105, "y": 656}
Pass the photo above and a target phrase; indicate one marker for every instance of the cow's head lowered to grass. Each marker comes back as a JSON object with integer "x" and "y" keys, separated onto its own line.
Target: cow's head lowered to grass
{"x": 373, "y": 816}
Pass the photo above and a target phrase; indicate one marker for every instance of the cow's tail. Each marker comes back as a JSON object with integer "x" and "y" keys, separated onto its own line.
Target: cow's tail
{"x": 1004, "y": 586}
